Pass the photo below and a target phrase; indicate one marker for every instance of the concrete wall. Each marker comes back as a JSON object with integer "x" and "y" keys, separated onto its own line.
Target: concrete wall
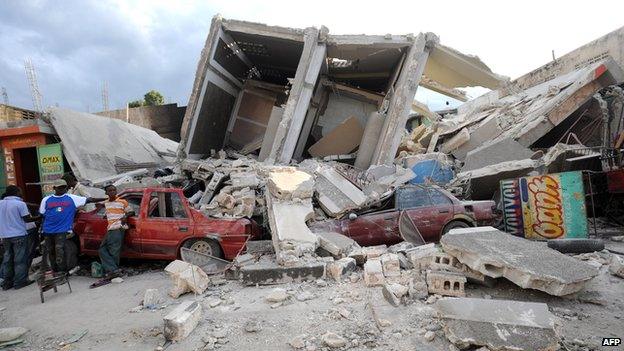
{"x": 340, "y": 108}
{"x": 166, "y": 120}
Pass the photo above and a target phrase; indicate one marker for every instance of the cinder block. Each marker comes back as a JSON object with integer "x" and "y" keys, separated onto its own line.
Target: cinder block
{"x": 446, "y": 283}
{"x": 373, "y": 273}
{"x": 445, "y": 262}
{"x": 421, "y": 257}
{"x": 391, "y": 265}
{"x": 180, "y": 322}
{"x": 375, "y": 251}
{"x": 337, "y": 269}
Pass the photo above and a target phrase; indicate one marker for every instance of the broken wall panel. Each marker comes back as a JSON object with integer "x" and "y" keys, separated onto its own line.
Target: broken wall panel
{"x": 340, "y": 141}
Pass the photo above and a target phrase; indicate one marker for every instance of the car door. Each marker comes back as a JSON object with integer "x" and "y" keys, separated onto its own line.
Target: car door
{"x": 415, "y": 200}
{"x": 375, "y": 228}
{"x": 165, "y": 222}
{"x": 132, "y": 241}
{"x": 441, "y": 214}
{"x": 92, "y": 227}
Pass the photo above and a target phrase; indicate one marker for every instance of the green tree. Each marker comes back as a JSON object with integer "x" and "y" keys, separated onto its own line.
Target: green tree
{"x": 153, "y": 98}
{"x": 135, "y": 103}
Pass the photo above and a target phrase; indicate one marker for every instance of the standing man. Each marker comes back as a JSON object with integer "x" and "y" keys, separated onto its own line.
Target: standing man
{"x": 13, "y": 217}
{"x": 58, "y": 212}
{"x": 74, "y": 187}
{"x": 117, "y": 213}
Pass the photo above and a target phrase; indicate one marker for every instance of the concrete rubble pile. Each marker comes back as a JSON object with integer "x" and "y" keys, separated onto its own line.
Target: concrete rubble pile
{"x": 534, "y": 125}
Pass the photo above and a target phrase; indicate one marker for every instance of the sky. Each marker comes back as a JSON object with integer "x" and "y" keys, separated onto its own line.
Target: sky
{"x": 136, "y": 46}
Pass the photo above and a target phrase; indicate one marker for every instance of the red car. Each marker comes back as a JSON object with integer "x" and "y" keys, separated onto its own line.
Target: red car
{"x": 433, "y": 210}
{"x": 163, "y": 224}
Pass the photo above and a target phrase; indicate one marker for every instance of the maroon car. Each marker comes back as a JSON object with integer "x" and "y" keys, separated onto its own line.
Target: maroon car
{"x": 433, "y": 210}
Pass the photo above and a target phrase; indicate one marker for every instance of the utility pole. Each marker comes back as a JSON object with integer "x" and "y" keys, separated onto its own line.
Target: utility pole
{"x": 5, "y": 97}
{"x": 34, "y": 86}
{"x": 105, "y": 96}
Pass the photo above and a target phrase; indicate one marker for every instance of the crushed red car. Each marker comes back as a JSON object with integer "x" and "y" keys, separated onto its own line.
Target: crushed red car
{"x": 164, "y": 222}
{"x": 433, "y": 210}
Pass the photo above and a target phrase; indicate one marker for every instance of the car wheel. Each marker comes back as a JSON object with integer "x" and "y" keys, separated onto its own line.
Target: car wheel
{"x": 204, "y": 246}
{"x": 71, "y": 254}
{"x": 454, "y": 225}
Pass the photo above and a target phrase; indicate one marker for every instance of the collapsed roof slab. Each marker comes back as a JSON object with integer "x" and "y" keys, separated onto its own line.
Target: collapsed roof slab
{"x": 94, "y": 146}
{"x": 448, "y": 69}
{"x": 527, "y": 116}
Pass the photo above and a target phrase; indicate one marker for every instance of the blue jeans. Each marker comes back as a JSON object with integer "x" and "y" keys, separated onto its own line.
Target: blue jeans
{"x": 15, "y": 261}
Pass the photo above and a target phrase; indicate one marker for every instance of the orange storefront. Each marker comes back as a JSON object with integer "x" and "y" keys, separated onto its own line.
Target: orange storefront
{"x": 19, "y": 153}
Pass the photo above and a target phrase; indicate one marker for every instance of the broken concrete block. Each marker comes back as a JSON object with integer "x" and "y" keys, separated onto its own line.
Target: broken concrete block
{"x": 180, "y": 322}
{"x": 151, "y": 297}
{"x": 375, "y": 251}
{"x": 498, "y": 324}
{"x": 495, "y": 254}
{"x": 373, "y": 273}
{"x": 186, "y": 277}
{"x": 260, "y": 247}
{"x": 421, "y": 257}
{"x": 289, "y": 232}
{"x": 336, "y": 244}
{"x": 267, "y": 272}
{"x": 616, "y": 267}
{"x": 401, "y": 247}
{"x": 244, "y": 180}
{"x": 290, "y": 183}
{"x": 337, "y": 195}
{"x": 391, "y": 265}
{"x": 226, "y": 200}
{"x": 459, "y": 139}
{"x": 445, "y": 262}
{"x": 359, "y": 255}
{"x": 446, "y": 283}
{"x": 404, "y": 263}
{"x": 418, "y": 289}
{"x": 393, "y": 292}
{"x": 340, "y": 268}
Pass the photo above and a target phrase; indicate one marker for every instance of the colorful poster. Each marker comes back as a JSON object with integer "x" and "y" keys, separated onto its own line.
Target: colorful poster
{"x": 552, "y": 206}
{"x": 51, "y": 167}
{"x": 512, "y": 207}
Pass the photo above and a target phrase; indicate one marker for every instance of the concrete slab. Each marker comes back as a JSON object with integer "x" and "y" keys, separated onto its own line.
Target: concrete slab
{"x": 180, "y": 322}
{"x": 288, "y": 183}
{"x": 96, "y": 146}
{"x": 502, "y": 150}
{"x": 498, "y": 324}
{"x": 268, "y": 272}
{"x": 528, "y": 264}
{"x": 336, "y": 195}
{"x": 289, "y": 232}
{"x": 336, "y": 244}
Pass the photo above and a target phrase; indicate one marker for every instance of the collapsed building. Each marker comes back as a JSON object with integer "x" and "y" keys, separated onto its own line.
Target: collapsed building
{"x": 289, "y": 94}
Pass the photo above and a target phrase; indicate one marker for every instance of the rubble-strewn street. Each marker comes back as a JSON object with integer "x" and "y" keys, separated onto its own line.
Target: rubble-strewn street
{"x": 240, "y": 317}
{"x": 304, "y": 199}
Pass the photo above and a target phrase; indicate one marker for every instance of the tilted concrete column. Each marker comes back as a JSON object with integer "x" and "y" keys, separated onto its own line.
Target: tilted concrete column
{"x": 401, "y": 100}
{"x": 312, "y": 59}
